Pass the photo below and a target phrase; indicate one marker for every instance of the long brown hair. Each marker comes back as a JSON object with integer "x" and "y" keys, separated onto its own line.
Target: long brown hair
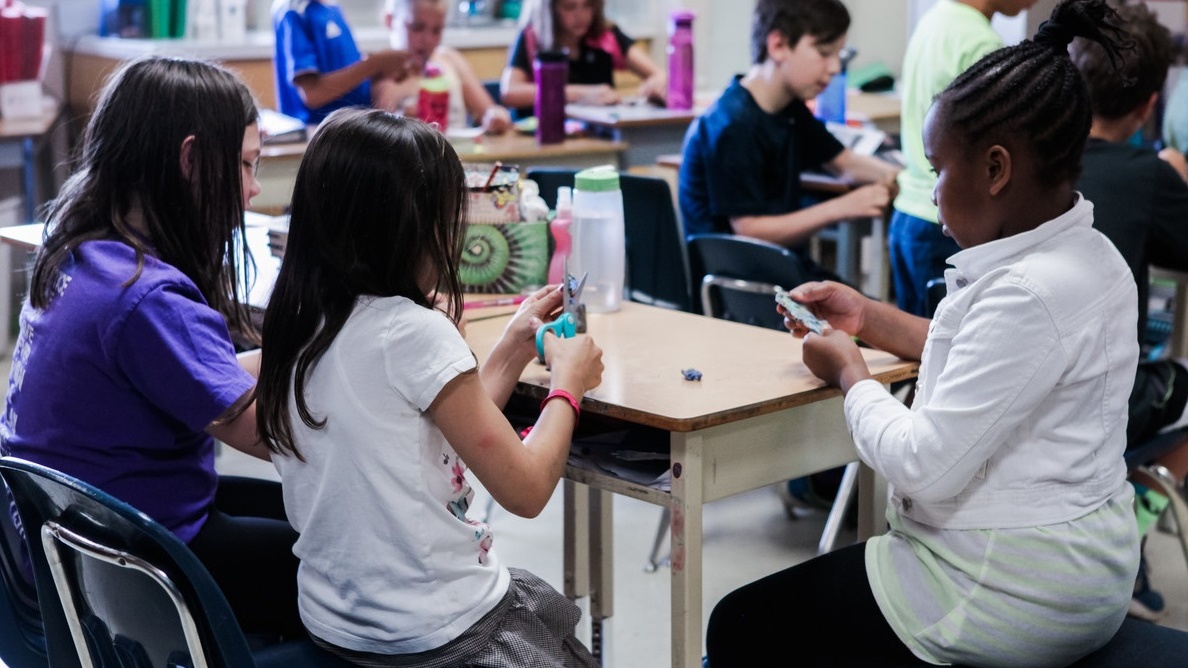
{"x": 131, "y": 161}
{"x": 378, "y": 204}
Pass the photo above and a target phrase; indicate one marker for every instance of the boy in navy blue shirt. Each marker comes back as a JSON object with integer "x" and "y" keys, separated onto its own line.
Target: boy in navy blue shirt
{"x": 319, "y": 67}
{"x": 743, "y": 157}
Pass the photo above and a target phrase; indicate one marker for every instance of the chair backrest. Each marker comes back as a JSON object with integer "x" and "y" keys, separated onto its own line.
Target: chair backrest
{"x": 22, "y": 643}
{"x": 115, "y": 586}
{"x": 739, "y": 276}
{"x": 934, "y": 291}
{"x": 657, "y": 262}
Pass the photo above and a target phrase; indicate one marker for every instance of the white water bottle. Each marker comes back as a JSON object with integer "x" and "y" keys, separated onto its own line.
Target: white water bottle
{"x": 599, "y": 240}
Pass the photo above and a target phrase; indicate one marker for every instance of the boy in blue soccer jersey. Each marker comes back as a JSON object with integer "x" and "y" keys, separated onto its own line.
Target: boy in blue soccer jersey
{"x": 319, "y": 67}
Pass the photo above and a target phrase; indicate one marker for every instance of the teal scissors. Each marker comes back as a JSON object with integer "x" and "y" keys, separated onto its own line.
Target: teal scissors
{"x": 573, "y": 313}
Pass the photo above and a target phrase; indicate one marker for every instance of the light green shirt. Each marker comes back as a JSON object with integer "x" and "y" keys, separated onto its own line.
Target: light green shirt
{"x": 949, "y": 38}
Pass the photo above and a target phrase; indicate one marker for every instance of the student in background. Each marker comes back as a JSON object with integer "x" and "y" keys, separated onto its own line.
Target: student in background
{"x": 1012, "y": 538}
{"x": 1141, "y": 203}
{"x": 743, "y": 157}
{"x": 416, "y": 27}
{"x": 375, "y": 407}
{"x": 1175, "y": 110}
{"x": 319, "y": 67}
{"x": 597, "y": 49}
{"x": 951, "y": 36}
{"x": 125, "y": 372}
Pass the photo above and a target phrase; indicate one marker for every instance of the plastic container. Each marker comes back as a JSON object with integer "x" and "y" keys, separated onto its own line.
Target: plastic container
{"x": 560, "y": 228}
{"x": 433, "y": 100}
{"x": 551, "y": 71}
{"x": 680, "y": 59}
{"x": 599, "y": 242}
{"x": 233, "y": 20}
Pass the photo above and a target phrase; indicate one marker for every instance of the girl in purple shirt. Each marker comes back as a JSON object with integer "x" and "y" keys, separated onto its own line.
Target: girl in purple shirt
{"x": 125, "y": 371}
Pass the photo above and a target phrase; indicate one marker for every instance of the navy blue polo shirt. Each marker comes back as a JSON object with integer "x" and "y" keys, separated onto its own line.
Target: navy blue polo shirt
{"x": 740, "y": 160}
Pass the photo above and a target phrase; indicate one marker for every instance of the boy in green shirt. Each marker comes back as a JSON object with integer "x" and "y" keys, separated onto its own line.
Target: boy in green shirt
{"x": 950, "y": 37}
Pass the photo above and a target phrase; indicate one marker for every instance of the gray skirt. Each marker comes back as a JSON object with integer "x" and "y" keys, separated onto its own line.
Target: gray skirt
{"x": 531, "y": 626}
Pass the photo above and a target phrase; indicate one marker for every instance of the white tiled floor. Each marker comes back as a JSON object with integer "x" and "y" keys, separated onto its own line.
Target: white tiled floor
{"x": 746, "y": 537}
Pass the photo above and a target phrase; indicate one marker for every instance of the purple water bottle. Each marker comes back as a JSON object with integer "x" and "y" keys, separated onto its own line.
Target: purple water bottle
{"x": 551, "y": 70}
{"x": 680, "y": 59}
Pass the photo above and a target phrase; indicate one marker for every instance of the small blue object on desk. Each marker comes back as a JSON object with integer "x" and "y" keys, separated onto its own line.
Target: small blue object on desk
{"x": 691, "y": 374}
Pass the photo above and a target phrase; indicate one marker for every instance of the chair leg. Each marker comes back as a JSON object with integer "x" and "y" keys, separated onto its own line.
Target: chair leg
{"x": 654, "y": 562}
{"x": 837, "y": 514}
{"x": 1179, "y": 509}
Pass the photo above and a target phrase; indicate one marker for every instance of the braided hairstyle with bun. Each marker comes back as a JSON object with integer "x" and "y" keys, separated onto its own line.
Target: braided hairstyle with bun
{"x": 1030, "y": 96}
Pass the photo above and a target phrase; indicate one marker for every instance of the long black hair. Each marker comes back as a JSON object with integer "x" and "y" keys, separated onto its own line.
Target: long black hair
{"x": 1031, "y": 95}
{"x": 377, "y": 208}
{"x": 131, "y": 161}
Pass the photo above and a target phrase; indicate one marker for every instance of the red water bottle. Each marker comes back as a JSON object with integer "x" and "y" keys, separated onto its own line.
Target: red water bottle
{"x": 680, "y": 59}
{"x": 433, "y": 100}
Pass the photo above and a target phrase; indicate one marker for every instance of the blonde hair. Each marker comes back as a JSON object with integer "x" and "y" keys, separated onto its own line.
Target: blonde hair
{"x": 398, "y": 9}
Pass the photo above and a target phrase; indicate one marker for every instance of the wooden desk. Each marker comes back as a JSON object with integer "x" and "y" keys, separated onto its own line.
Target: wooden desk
{"x": 279, "y": 162}
{"x": 756, "y": 418}
{"x": 648, "y": 131}
{"x": 881, "y": 109}
{"x": 861, "y": 253}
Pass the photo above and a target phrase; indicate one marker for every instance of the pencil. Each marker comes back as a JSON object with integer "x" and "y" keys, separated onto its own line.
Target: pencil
{"x": 498, "y": 301}
{"x": 491, "y": 176}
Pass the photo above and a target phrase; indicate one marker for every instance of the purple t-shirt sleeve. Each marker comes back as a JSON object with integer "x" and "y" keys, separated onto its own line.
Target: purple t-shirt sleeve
{"x": 177, "y": 352}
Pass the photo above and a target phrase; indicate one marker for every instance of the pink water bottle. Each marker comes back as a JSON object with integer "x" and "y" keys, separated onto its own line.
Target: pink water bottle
{"x": 551, "y": 71}
{"x": 680, "y": 59}
{"x": 559, "y": 227}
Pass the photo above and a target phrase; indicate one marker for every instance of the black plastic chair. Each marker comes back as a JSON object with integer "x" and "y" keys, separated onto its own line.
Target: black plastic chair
{"x": 657, "y": 264}
{"x": 22, "y": 641}
{"x": 119, "y": 589}
{"x": 934, "y": 291}
{"x": 738, "y": 277}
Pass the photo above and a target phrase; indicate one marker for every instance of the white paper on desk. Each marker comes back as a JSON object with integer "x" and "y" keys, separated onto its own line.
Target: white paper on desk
{"x": 863, "y": 141}
{"x": 620, "y": 112}
{"x": 463, "y": 133}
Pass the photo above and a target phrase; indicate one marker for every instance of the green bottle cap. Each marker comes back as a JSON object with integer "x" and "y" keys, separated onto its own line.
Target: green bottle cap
{"x": 597, "y": 179}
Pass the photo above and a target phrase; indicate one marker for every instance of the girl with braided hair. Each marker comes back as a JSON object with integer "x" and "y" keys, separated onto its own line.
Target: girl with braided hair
{"x": 1012, "y": 538}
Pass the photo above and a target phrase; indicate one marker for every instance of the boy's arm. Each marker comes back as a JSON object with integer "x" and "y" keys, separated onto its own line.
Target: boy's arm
{"x": 862, "y": 168}
{"x": 318, "y": 89}
{"x": 793, "y": 228}
{"x": 475, "y": 99}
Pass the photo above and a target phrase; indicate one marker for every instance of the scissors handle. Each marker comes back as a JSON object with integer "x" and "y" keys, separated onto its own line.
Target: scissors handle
{"x": 565, "y": 326}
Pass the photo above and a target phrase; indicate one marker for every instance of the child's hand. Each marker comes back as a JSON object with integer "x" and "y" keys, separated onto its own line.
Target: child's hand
{"x": 840, "y": 305}
{"x": 869, "y": 201}
{"x": 496, "y": 120}
{"x": 834, "y": 358}
{"x": 392, "y": 64}
{"x": 537, "y": 308}
{"x": 654, "y": 88}
{"x": 600, "y": 94}
{"x": 576, "y": 363}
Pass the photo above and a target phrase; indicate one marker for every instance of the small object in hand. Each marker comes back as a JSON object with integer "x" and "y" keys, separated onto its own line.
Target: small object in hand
{"x": 799, "y": 313}
{"x": 691, "y": 374}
